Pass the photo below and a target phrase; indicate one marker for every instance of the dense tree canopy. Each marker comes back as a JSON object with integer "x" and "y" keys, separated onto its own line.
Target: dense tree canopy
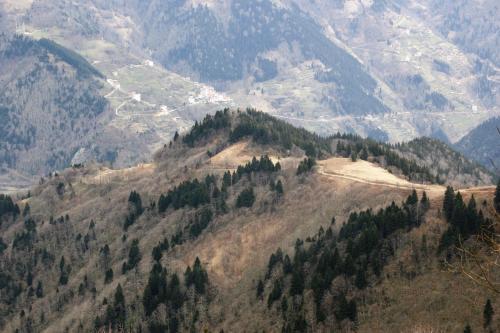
{"x": 7, "y": 206}
{"x": 464, "y": 220}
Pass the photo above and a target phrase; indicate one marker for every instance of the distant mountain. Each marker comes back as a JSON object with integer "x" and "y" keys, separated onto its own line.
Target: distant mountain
{"x": 390, "y": 70}
{"x": 253, "y": 39}
{"x": 53, "y": 112}
{"x": 482, "y": 144}
{"x": 50, "y": 103}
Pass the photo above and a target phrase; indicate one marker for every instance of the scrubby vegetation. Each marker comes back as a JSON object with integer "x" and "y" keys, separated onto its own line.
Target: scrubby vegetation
{"x": 358, "y": 255}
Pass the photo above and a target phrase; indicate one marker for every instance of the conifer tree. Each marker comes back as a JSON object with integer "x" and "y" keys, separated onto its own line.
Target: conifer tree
{"x": 488, "y": 313}
{"x": 424, "y": 202}
{"x": 364, "y": 154}
{"x": 246, "y": 198}
{"x": 155, "y": 292}
{"x": 39, "y": 290}
{"x": 108, "y": 277}
{"x": 297, "y": 285}
{"x": 448, "y": 202}
{"x": 134, "y": 256}
{"x": 157, "y": 253}
{"x": 260, "y": 289}
{"x": 412, "y": 198}
{"x": 116, "y": 312}
{"x": 279, "y": 187}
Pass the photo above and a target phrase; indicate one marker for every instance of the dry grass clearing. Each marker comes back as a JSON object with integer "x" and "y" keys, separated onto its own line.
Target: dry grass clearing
{"x": 369, "y": 173}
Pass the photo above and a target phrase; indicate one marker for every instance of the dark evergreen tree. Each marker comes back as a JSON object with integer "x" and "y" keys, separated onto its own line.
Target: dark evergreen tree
{"x": 197, "y": 277}
{"x": 467, "y": 329}
{"x": 116, "y": 312}
{"x": 260, "y": 289}
{"x": 297, "y": 284}
{"x": 275, "y": 293}
{"x": 135, "y": 209}
{"x": 424, "y": 203}
{"x": 64, "y": 271}
{"x": 246, "y": 198}
{"x": 412, "y": 199}
{"x": 306, "y": 165}
{"x": 226, "y": 180}
{"x": 346, "y": 309}
{"x": 26, "y": 210}
{"x": 8, "y": 207}
{"x": 191, "y": 193}
{"x": 157, "y": 253}
{"x": 134, "y": 256}
{"x": 200, "y": 222}
{"x": 135, "y": 200}
{"x": 488, "y": 313}
{"x": 364, "y": 154}
{"x": 448, "y": 202}
{"x": 360, "y": 280}
{"x": 108, "y": 276}
{"x": 3, "y": 246}
{"x": 279, "y": 187}
{"x": 39, "y": 290}
{"x": 174, "y": 292}
{"x": 155, "y": 292}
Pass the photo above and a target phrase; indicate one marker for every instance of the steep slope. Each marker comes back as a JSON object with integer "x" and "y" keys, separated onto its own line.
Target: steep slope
{"x": 117, "y": 248}
{"x": 50, "y": 104}
{"x": 482, "y": 144}
{"x": 427, "y": 54}
{"x": 446, "y": 163}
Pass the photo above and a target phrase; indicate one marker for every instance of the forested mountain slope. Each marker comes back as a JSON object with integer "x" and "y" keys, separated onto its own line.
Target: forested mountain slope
{"x": 234, "y": 228}
{"x": 482, "y": 144}
{"x": 50, "y": 103}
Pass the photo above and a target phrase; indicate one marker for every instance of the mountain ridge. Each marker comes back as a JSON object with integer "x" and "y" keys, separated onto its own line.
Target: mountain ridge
{"x": 101, "y": 239}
